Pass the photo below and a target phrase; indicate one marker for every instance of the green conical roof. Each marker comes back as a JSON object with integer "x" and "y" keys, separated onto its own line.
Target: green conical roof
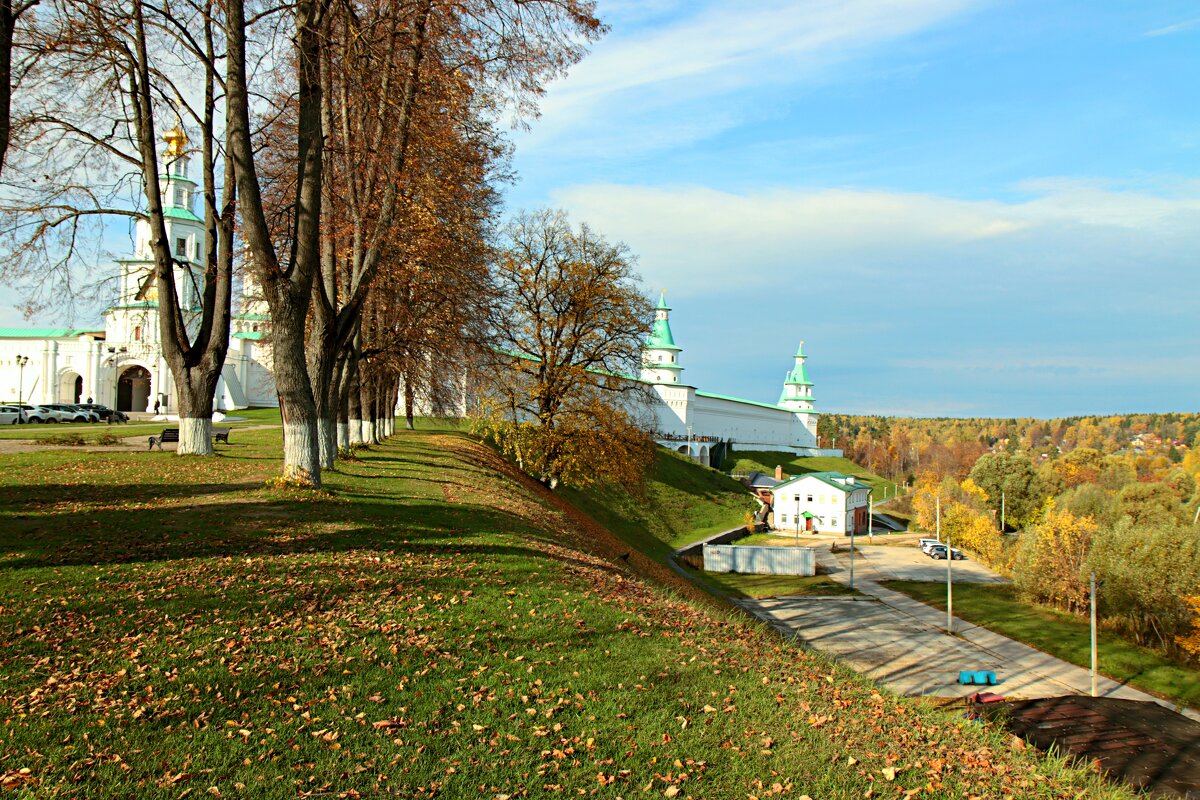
{"x": 800, "y": 350}
{"x": 798, "y": 376}
{"x": 660, "y": 336}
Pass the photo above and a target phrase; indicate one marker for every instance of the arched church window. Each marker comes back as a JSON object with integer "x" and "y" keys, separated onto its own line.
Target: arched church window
{"x": 137, "y": 333}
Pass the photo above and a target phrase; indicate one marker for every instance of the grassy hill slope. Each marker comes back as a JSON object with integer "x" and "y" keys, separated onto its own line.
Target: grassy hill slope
{"x": 683, "y": 503}
{"x": 745, "y": 461}
{"x": 432, "y": 626}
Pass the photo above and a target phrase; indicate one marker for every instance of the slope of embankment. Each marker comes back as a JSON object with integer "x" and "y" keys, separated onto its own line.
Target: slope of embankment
{"x": 432, "y": 626}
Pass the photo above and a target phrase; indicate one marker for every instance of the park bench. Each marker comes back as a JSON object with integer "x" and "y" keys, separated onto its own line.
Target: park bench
{"x": 172, "y": 435}
{"x": 168, "y": 435}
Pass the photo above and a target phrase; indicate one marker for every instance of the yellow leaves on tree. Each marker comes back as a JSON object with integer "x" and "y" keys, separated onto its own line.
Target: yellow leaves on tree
{"x": 1191, "y": 642}
{"x": 1051, "y": 566}
{"x": 962, "y": 523}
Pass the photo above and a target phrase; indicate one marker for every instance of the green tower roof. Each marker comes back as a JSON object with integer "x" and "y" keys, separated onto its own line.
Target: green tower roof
{"x": 798, "y": 376}
{"x": 660, "y": 336}
{"x": 800, "y": 350}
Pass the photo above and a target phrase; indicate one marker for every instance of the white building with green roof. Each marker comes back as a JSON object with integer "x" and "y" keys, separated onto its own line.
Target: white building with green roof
{"x": 121, "y": 365}
{"x": 703, "y": 425}
{"x": 821, "y": 502}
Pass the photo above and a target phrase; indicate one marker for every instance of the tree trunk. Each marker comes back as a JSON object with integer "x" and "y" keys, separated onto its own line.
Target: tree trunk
{"x": 286, "y": 287}
{"x": 354, "y": 403}
{"x": 368, "y": 410}
{"x": 408, "y": 401}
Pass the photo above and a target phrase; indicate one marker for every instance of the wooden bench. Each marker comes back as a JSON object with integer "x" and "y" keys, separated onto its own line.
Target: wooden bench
{"x": 172, "y": 435}
{"x": 168, "y": 435}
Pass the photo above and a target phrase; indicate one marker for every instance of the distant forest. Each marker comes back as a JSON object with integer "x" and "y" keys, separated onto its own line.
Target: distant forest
{"x": 904, "y": 448}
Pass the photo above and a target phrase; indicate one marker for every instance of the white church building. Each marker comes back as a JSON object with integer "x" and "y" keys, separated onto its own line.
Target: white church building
{"x": 702, "y": 425}
{"x": 121, "y": 365}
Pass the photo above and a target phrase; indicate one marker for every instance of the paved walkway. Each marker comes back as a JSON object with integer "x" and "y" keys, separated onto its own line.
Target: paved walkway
{"x": 902, "y": 643}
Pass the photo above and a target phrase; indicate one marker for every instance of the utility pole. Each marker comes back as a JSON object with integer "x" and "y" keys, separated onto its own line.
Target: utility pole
{"x": 852, "y": 527}
{"x": 871, "y": 515}
{"x": 1092, "y": 587}
{"x": 949, "y": 571}
{"x": 1002, "y": 509}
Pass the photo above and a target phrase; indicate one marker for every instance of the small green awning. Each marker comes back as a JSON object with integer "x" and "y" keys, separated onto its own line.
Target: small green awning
{"x": 808, "y": 515}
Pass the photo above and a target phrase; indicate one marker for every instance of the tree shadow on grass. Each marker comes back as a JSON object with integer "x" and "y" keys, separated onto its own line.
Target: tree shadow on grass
{"x": 243, "y": 526}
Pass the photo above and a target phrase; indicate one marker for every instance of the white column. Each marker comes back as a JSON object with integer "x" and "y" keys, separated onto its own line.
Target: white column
{"x": 89, "y": 372}
{"x": 50, "y": 369}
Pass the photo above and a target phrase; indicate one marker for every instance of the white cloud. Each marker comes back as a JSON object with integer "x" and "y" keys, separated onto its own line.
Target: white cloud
{"x": 642, "y": 88}
{"x": 1178, "y": 27}
{"x": 694, "y": 237}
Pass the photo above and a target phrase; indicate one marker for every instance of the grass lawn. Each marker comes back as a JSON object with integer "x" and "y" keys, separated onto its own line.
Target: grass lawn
{"x": 430, "y": 625}
{"x": 1066, "y": 636}
{"x": 745, "y": 461}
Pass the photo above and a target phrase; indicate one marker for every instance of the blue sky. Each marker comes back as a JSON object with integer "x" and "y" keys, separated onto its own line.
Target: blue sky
{"x": 963, "y": 208}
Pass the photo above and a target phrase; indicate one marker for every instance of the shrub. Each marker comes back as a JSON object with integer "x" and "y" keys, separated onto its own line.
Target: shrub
{"x": 69, "y": 439}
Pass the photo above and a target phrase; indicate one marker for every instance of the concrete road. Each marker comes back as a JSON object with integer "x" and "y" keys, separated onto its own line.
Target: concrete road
{"x": 903, "y": 644}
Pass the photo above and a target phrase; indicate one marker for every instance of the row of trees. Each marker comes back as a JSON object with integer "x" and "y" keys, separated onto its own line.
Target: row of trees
{"x": 348, "y": 153}
{"x": 902, "y": 448}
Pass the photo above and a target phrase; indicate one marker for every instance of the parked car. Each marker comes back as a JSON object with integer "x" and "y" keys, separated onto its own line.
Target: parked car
{"x": 60, "y": 413}
{"x": 70, "y": 413}
{"x": 926, "y": 544}
{"x": 38, "y": 414}
{"x": 91, "y": 415}
{"x": 9, "y": 415}
{"x": 938, "y": 552}
{"x": 106, "y": 413}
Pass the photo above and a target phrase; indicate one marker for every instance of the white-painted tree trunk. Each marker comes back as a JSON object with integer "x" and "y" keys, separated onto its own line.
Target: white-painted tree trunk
{"x": 195, "y": 437}
{"x": 356, "y": 431}
{"x": 375, "y": 437}
{"x": 343, "y": 434}
{"x": 327, "y": 439}
{"x": 299, "y": 448}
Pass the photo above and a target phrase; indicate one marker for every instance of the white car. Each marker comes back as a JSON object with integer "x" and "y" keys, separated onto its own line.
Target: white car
{"x": 69, "y": 413}
{"x": 926, "y": 544}
{"x": 38, "y": 414}
{"x": 9, "y": 415}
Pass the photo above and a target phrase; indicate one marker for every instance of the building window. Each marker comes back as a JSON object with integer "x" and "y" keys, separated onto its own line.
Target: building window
{"x": 784, "y": 520}
{"x": 137, "y": 333}
{"x": 833, "y": 521}
{"x": 181, "y": 248}
{"x": 810, "y": 498}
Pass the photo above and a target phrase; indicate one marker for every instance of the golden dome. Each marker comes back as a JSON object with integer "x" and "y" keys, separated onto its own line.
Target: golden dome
{"x": 176, "y": 141}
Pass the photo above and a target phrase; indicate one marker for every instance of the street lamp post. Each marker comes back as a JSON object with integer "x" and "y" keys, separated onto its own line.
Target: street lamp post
{"x": 21, "y": 362}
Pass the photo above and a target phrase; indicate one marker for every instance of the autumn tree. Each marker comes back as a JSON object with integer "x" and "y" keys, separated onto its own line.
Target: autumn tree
{"x": 109, "y": 77}
{"x": 360, "y": 71}
{"x": 1052, "y": 559}
{"x": 1012, "y": 482}
{"x": 567, "y": 327}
